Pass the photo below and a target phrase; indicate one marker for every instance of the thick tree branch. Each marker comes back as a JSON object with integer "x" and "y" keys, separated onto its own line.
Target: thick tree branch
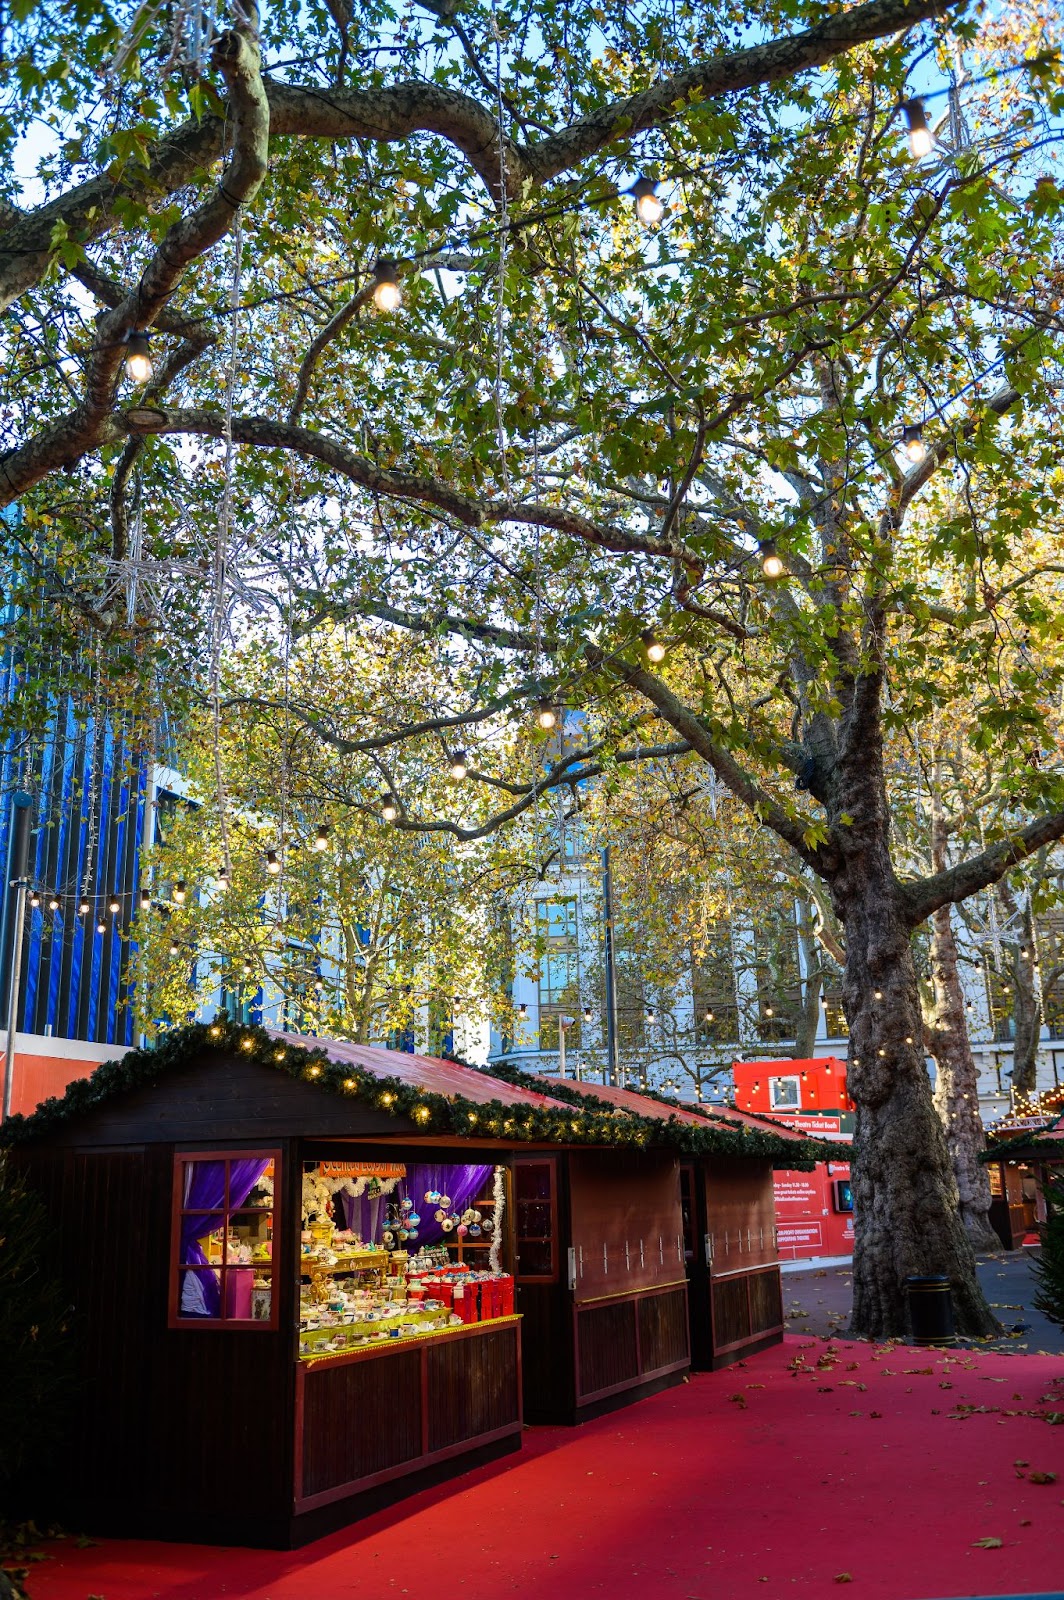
{"x": 979, "y": 872}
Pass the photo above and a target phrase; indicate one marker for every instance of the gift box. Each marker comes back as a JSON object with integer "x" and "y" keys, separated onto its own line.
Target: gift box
{"x": 465, "y": 1302}
{"x": 506, "y": 1296}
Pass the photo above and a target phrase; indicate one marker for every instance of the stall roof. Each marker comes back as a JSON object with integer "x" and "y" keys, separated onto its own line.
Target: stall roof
{"x": 646, "y": 1106}
{"x": 430, "y": 1074}
{"x": 412, "y": 1096}
{"x": 1034, "y": 1136}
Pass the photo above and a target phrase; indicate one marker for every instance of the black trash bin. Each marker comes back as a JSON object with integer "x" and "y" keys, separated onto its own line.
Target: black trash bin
{"x": 931, "y": 1309}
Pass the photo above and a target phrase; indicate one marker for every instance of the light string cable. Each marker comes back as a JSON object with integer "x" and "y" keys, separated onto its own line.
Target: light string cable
{"x": 93, "y": 768}
{"x": 502, "y": 235}
{"x": 221, "y": 553}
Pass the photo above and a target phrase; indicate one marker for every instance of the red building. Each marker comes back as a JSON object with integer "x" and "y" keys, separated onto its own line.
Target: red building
{"x": 814, "y": 1210}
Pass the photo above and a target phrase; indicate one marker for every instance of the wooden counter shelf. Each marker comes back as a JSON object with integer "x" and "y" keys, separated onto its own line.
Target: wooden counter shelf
{"x": 380, "y": 1347}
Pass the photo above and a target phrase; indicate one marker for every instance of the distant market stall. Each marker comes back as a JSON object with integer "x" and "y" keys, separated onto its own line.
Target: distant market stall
{"x": 306, "y": 1274}
{"x": 726, "y": 1220}
{"x": 1021, "y": 1153}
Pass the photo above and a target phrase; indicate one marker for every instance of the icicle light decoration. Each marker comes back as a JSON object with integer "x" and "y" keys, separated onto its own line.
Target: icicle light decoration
{"x": 499, "y": 1196}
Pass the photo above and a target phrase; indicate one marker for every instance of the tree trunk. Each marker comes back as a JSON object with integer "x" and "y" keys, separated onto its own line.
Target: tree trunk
{"x": 906, "y": 1217}
{"x": 1026, "y": 1008}
{"x": 808, "y": 1021}
{"x": 957, "y": 1086}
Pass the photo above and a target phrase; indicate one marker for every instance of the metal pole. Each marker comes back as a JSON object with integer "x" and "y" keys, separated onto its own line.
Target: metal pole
{"x": 608, "y": 963}
{"x": 19, "y": 859}
{"x": 561, "y": 1048}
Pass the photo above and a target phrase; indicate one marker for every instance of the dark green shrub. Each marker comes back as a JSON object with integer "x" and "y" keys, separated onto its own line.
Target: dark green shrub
{"x": 1049, "y": 1270}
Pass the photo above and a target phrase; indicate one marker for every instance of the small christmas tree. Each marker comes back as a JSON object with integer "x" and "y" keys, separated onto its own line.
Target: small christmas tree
{"x": 1049, "y": 1270}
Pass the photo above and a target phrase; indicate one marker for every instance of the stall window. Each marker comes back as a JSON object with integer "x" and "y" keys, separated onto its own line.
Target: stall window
{"x": 534, "y": 1219}
{"x": 222, "y": 1270}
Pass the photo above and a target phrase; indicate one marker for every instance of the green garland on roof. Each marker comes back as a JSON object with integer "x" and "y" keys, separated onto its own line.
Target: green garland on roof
{"x": 596, "y": 1124}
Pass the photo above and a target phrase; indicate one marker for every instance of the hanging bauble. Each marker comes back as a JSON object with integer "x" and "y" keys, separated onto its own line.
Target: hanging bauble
{"x": 477, "y": 1217}
{"x": 403, "y": 1235}
{"x": 462, "y": 1230}
{"x": 445, "y": 1201}
{"x": 488, "y": 1224}
{"x": 439, "y": 1214}
{"x": 474, "y": 1230}
{"x": 469, "y": 1215}
{"x": 408, "y": 1204}
{"x": 413, "y": 1219}
{"x": 389, "y": 1236}
{"x": 432, "y": 1197}
{"x": 447, "y": 1224}
{"x": 412, "y": 1234}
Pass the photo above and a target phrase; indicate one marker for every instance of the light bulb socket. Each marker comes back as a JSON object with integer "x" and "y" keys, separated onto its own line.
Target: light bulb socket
{"x": 273, "y": 864}
{"x": 35, "y": 898}
{"x": 546, "y": 713}
{"x": 459, "y": 764}
{"x": 920, "y": 136}
{"x": 321, "y": 838}
{"x": 912, "y": 441}
{"x": 648, "y": 207}
{"x": 180, "y": 892}
{"x": 389, "y": 807}
{"x": 138, "y": 355}
{"x": 771, "y": 560}
{"x": 387, "y": 295}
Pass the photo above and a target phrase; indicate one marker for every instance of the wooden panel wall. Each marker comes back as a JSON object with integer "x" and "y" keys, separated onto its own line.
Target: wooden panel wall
{"x": 747, "y": 1307}
{"x": 360, "y": 1419}
{"x": 473, "y": 1387}
{"x": 184, "y": 1433}
{"x": 626, "y": 1224}
{"x": 629, "y": 1341}
{"x": 740, "y": 1213}
{"x": 546, "y": 1351}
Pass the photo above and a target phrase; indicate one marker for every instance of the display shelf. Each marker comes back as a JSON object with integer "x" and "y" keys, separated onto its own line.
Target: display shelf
{"x": 383, "y": 1346}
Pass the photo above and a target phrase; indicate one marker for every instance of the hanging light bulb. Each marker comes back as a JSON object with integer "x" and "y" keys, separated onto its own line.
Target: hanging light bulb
{"x": 587, "y": 1013}
{"x": 650, "y": 1016}
{"x": 387, "y": 295}
{"x": 223, "y": 877}
{"x": 175, "y": 948}
{"x": 138, "y": 355}
{"x": 321, "y": 838}
{"x": 459, "y": 766}
{"x": 912, "y": 441}
{"x": 710, "y": 1017}
{"x": 654, "y": 648}
{"x": 389, "y": 808}
{"x": 920, "y": 138}
{"x": 101, "y": 926}
{"x": 83, "y": 908}
{"x": 769, "y": 1011}
{"x": 273, "y": 865}
{"x": 113, "y": 907}
{"x": 546, "y": 716}
{"x": 180, "y": 892}
{"x": 522, "y": 1011}
{"x": 771, "y": 560}
{"x": 648, "y": 208}
{"x": 145, "y": 899}
{"x": 35, "y": 898}
{"x": 54, "y": 903}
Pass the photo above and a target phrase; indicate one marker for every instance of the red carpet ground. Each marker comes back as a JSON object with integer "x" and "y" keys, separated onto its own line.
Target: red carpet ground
{"x": 909, "y": 1474}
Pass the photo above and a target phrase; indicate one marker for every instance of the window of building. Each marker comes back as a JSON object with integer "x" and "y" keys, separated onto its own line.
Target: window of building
{"x": 556, "y": 919}
{"x": 534, "y": 1219}
{"x": 784, "y": 1094}
{"x": 223, "y": 1236}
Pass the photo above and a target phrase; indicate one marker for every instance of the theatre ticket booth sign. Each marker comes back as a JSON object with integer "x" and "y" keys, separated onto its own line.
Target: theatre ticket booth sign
{"x": 814, "y": 1210}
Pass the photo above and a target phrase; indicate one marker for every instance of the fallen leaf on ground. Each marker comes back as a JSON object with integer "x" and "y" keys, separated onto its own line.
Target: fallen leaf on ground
{"x": 843, "y": 1577}
{"x": 989, "y": 1543}
{"x": 1041, "y": 1477}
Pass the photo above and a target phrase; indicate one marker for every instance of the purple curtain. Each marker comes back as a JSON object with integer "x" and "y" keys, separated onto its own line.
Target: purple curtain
{"x": 365, "y": 1215}
{"x": 205, "y": 1192}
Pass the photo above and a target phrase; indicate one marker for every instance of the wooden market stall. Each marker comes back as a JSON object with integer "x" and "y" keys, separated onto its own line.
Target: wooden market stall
{"x": 1021, "y": 1152}
{"x": 710, "y": 1285}
{"x": 311, "y": 1276}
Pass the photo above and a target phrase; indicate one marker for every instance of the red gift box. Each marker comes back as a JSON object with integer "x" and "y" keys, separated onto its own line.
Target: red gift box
{"x": 506, "y": 1297}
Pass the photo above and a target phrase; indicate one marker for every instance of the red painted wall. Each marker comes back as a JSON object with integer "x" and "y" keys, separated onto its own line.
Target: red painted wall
{"x": 810, "y": 1095}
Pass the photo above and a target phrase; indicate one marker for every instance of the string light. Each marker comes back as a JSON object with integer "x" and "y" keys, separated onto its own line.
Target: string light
{"x": 223, "y": 878}
{"x": 459, "y": 766}
{"x": 650, "y": 1016}
{"x": 321, "y": 838}
{"x": 920, "y": 138}
{"x": 273, "y": 865}
{"x": 771, "y": 560}
{"x": 35, "y": 898}
{"x": 113, "y": 907}
{"x": 587, "y": 1013}
{"x": 101, "y": 926}
{"x": 912, "y": 442}
{"x": 145, "y": 899}
{"x": 654, "y": 648}
{"x": 389, "y": 808}
{"x": 138, "y": 356}
{"x": 83, "y": 908}
{"x": 710, "y": 1016}
{"x": 546, "y": 716}
{"x": 387, "y": 296}
{"x": 648, "y": 208}
{"x": 175, "y": 948}
{"x": 522, "y": 1011}
{"x": 53, "y": 904}
{"x": 878, "y": 994}
{"x": 180, "y": 892}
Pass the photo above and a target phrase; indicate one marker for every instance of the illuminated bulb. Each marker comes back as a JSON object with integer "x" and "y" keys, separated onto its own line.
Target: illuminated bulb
{"x": 273, "y": 865}
{"x": 138, "y": 356}
{"x": 459, "y": 766}
{"x": 145, "y": 899}
{"x": 83, "y": 908}
{"x": 771, "y": 560}
{"x": 386, "y": 293}
{"x": 389, "y": 808}
{"x": 546, "y": 716}
{"x": 321, "y": 838}
{"x": 879, "y": 994}
{"x": 769, "y": 1011}
{"x": 920, "y": 140}
{"x": 709, "y": 1016}
{"x": 53, "y": 904}
{"x": 101, "y": 926}
{"x": 648, "y": 208}
{"x": 35, "y": 898}
{"x": 313, "y": 1072}
{"x": 654, "y": 648}
{"x": 215, "y": 1031}
{"x": 881, "y": 1052}
{"x": 180, "y": 892}
{"x": 587, "y": 1013}
{"x": 349, "y": 1083}
{"x": 387, "y": 1099}
{"x": 912, "y": 442}
{"x": 422, "y": 1113}
{"x": 522, "y": 1011}
{"x": 175, "y": 948}
{"x": 247, "y": 1044}
{"x": 113, "y": 907}
{"x": 908, "y": 1038}
{"x": 650, "y": 1017}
